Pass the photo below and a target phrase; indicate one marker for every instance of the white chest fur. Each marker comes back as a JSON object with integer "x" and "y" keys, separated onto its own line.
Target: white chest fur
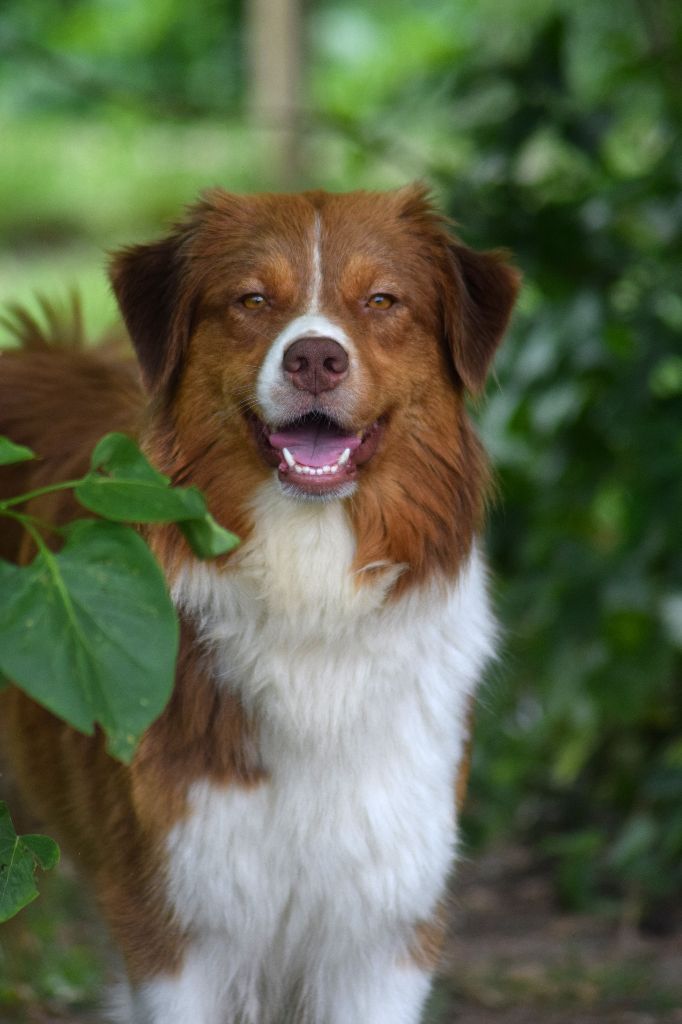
{"x": 361, "y": 708}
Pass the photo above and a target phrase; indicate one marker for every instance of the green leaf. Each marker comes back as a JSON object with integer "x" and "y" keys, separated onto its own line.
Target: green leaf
{"x": 44, "y": 849}
{"x": 120, "y": 456}
{"x": 91, "y": 632}
{"x": 4, "y": 681}
{"x": 207, "y": 538}
{"x": 123, "y": 486}
{"x": 19, "y": 858}
{"x": 11, "y": 452}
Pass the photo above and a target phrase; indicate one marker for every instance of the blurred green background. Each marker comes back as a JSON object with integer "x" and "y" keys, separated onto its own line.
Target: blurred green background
{"x": 552, "y": 128}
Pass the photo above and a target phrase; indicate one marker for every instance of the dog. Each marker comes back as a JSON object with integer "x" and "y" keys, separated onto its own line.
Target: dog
{"x": 279, "y": 847}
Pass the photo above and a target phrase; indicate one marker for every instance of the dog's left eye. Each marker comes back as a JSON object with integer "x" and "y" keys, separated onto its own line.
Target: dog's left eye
{"x": 254, "y": 300}
{"x": 380, "y": 301}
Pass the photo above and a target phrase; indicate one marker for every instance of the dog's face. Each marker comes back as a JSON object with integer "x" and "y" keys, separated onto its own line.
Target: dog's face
{"x": 327, "y": 338}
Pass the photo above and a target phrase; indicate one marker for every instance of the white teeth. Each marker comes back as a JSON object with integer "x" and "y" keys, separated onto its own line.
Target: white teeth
{"x": 311, "y": 470}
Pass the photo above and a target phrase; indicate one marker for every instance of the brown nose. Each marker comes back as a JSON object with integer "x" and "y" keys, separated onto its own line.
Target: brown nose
{"x": 316, "y": 364}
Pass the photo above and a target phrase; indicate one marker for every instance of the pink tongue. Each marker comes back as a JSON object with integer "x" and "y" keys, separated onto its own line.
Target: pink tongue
{"x": 314, "y": 446}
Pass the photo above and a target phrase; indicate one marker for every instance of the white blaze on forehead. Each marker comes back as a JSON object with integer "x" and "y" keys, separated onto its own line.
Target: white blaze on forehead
{"x": 272, "y": 388}
{"x": 316, "y": 275}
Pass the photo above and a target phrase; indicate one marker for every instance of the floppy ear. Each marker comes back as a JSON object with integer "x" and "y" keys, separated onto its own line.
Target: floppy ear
{"x": 477, "y": 309}
{"x": 153, "y": 290}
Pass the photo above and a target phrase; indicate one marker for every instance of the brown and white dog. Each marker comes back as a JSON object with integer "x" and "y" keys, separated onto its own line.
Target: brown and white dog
{"x": 279, "y": 848}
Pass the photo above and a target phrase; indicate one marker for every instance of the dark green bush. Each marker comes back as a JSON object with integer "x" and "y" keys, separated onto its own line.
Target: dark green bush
{"x": 580, "y": 738}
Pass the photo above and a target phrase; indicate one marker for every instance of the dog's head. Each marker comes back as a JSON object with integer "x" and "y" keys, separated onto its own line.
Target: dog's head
{"x": 324, "y": 338}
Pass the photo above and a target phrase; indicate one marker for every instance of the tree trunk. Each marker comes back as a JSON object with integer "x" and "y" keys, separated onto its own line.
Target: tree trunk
{"x": 276, "y": 58}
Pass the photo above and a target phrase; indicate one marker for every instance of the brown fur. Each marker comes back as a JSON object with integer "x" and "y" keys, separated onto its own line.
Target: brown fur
{"x": 429, "y": 939}
{"x": 464, "y": 770}
{"x": 59, "y": 402}
{"x": 112, "y": 819}
{"x": 421, "y": 502}
{"x": 88, "y": 801}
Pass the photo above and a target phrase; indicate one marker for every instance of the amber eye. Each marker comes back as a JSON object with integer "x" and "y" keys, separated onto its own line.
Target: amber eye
{"x": 254, "y": 300}
{"x": 380, "y": 301}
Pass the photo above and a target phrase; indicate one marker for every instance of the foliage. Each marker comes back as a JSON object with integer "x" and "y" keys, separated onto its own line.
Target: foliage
{"x": 11, "y": 453}
{"x": 583, "y": 742}
{"x": 19, "y": 857}
{"x": 161, "y": 52}
{"x": 90, "y": 631}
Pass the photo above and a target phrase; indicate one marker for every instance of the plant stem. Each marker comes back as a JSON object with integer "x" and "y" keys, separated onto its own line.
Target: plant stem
{"x": 24, "y": 518}
{"x": 65, "y": 486}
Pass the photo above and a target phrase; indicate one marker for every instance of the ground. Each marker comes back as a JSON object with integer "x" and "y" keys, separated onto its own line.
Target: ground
{"x": 512, "y": 958}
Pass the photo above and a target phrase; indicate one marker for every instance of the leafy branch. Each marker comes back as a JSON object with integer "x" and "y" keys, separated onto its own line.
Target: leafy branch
{"x": 89, "y": 631}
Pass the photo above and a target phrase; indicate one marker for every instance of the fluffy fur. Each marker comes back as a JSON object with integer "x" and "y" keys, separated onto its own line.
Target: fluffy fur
{"x": 277, "y": 853}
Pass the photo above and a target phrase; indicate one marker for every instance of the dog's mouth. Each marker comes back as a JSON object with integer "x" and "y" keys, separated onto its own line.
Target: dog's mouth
{"x": 314, "y": 454}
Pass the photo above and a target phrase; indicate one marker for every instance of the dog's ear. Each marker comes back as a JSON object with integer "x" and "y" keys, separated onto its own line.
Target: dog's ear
{"x": 153, "y": 289}
{"x": 478, "y": 304}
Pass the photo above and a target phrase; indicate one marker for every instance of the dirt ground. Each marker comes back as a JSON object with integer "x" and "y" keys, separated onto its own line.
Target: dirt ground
{"x": 512, "y": 958}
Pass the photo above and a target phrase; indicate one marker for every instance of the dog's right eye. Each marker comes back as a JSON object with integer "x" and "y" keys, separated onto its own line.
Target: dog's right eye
{"x": 254, "y": 300}
{"x": 381, "y": 300}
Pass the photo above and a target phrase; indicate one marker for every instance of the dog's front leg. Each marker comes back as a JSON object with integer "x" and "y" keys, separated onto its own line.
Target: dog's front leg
{"x": 203, "y": 990}
{"x": 376, "y": 992}
{"x": 173, "y": 999}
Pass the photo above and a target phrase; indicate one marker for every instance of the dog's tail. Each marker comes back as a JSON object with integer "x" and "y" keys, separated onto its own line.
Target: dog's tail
{"x": 59, "y": 327}
{"x": 58, "y": 396}
{"x": 62, "y": 326}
